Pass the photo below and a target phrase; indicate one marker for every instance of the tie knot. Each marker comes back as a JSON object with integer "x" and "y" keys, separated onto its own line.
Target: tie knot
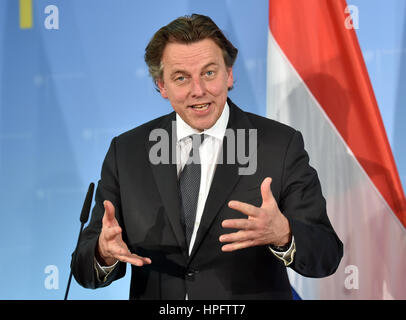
{"x": 198, "y": 137}
{"x": 197, "y": 140}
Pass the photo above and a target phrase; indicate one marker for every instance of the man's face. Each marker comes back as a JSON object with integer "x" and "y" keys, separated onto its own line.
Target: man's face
{"x": 196, "y": 81}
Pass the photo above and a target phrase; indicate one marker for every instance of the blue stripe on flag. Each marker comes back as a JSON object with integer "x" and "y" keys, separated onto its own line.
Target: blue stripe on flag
{"x": 295, "y": 294}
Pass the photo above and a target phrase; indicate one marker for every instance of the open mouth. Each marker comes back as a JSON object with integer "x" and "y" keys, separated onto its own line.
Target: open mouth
{"x": 201, "y": 107}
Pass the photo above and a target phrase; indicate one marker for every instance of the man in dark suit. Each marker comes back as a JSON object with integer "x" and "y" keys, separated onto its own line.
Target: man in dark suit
{"x": 251, "y": 219}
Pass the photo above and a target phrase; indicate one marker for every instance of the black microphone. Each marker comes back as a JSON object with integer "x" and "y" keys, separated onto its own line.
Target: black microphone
{"x": 84, "y": 216}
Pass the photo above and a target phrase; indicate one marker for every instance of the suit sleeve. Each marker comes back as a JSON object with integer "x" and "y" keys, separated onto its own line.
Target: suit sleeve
{"x": 318, "y": 248}
{"x": 83, "y": 258}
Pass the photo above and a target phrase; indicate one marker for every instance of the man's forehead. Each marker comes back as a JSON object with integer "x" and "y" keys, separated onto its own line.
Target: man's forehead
{"x": 180, "y": 53}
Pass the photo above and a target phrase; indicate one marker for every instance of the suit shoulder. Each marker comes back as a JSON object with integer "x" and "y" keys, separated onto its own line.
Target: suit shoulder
{"x": 267, "y": 126}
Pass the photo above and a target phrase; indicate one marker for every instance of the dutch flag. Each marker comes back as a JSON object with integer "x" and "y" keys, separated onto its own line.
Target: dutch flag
{"x": 318, "y": 83}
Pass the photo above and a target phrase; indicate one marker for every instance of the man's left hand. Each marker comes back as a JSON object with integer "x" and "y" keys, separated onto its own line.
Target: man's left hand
{"x": 265, "y": 225}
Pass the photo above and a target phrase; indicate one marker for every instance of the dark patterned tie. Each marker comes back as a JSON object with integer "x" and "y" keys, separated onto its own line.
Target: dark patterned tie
{"x": 189, "y": 185}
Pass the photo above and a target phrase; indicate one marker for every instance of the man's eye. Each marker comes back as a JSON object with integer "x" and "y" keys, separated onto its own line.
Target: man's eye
{"x": 210, "y": 73}
{"x": 180, "y": 79}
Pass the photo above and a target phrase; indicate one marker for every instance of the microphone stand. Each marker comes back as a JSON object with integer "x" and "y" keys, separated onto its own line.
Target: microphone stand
{"x": 84, "y": 216}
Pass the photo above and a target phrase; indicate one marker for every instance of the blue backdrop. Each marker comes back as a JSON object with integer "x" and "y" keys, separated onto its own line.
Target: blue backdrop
{"x": 76, "y": 78}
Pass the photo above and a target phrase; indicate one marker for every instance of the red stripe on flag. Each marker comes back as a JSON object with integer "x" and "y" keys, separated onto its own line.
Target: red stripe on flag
{"x": 313, "y": 36}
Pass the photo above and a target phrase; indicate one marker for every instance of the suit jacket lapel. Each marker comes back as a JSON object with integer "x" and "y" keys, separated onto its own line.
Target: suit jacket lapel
{"x": 165, "y": 175}
{"x": 225, "y": 178}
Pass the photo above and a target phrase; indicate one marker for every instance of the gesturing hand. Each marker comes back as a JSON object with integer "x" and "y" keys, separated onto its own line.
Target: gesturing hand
{"x": 265, "y": 225}
{"x": 111, "y": 246}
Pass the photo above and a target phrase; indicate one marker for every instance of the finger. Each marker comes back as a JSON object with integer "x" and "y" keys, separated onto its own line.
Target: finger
{"x": 111, "y": 232}
{"x": 239, "y": 245}
{"x": 246, "y": 208}
{"x": 237, "y": 236}
{"x": 134, "y": 259}
{"x": 266, "y": 191}
{"x": 109, "y": 218}
{"x": 121, "y": 252}
{"x": 238, "y": 224}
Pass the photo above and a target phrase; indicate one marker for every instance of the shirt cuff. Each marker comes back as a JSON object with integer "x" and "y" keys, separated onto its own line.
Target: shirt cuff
{"x": 288, "y": 255}
{"x": 103, "y": 271}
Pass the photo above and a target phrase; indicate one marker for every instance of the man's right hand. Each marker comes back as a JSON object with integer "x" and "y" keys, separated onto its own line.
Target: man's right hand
{"x": 111, "y": 246}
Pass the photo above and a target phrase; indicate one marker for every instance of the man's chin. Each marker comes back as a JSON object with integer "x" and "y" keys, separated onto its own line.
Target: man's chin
{"x": 202, "y": 125}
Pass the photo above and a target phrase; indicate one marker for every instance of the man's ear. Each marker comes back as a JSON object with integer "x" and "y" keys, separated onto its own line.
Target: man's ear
{"x": 161, "y": 86}
{"x": 230, "y": 78}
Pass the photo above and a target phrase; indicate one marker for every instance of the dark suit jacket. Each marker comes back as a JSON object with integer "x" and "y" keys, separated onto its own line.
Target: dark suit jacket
{"x": 147, "y": 206}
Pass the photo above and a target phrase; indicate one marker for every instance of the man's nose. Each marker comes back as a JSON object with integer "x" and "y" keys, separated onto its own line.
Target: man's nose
{"x": 198, "y": 87}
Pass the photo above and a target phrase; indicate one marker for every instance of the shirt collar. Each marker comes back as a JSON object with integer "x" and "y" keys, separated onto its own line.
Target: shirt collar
{"x": 218, "y": 130}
